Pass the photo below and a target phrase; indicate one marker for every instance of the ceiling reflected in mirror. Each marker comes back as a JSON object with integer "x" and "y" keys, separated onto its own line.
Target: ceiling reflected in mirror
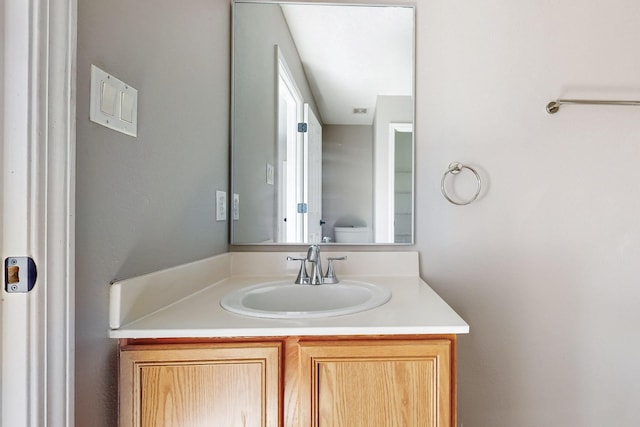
{"x": 352, "y": 54}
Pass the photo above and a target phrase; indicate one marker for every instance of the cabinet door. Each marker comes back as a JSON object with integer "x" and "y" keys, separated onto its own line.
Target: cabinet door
{"x": 200, "y": 385}
{"x": 376, "y": 383}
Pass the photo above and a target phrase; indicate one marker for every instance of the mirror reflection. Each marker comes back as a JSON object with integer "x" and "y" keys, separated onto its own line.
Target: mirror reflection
{"x": 322, "y": 132}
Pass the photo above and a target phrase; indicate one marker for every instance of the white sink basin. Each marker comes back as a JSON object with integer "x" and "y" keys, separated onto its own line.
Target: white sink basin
{"x": 285, "y": 300}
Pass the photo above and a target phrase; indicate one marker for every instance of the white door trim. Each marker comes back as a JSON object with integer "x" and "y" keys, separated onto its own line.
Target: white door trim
{"x": 391, "y": 202}
{"x": 312, "y": 181}
{"x": 290, "y": 178}
{"x": 38, "y": 172}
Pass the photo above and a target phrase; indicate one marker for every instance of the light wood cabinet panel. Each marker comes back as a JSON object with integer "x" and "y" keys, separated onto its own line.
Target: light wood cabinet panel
{"x": 372, "y": 381}
{"x": 376, "y": 384}
{"x": 200, "y": 385}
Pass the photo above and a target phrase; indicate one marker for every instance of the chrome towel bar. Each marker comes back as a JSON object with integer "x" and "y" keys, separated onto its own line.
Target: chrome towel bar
{"x": 554, "y": 106}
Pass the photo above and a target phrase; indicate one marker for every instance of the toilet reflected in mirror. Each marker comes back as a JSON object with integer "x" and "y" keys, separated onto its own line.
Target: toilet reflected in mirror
{"x": 352, "y": 234}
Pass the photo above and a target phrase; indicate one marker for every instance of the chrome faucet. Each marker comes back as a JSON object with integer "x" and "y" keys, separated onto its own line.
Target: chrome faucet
{"x": 313, "y": 257}
{"x": 317, "y": 277}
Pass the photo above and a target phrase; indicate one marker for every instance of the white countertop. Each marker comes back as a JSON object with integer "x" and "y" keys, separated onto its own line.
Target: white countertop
{"x": 414, "y": 307}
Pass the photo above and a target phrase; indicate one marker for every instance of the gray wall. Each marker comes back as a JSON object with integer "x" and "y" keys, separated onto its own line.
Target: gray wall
{"x": 544, "y": 266}
{"x": 146, "y": 203}
{"x": 347, "y": 176}
{"x": 259, "y": 28}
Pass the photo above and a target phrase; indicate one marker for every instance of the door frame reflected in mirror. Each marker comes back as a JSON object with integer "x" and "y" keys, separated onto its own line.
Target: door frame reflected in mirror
{"x": 289, "y": 227}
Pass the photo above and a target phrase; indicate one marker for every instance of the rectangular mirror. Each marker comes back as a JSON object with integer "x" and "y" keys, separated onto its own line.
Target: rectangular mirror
{"x": 322, "y": 123}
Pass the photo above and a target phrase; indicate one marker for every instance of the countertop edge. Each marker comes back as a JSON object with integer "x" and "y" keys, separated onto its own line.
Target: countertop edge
{"x": 283, "y": 332}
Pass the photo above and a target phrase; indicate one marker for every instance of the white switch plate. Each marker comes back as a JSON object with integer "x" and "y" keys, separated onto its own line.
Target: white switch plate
{"x": 221, "y": 205}
{"x": 270, "y": 173}
{"x": 236, "y": 206}
{"x": 114, "y": 103}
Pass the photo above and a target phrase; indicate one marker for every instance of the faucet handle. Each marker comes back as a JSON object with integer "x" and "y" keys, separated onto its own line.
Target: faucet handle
{"x": 331, "y": 277}
{"x": 303, "y": 276}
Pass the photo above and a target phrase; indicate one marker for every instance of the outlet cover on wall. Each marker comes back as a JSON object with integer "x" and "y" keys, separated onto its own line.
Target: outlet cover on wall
{"x": 236, "y": 206}
{"x": 221, "y": 205}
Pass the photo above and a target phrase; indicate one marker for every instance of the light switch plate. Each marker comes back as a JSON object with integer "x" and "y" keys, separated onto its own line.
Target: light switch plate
{"x": 270, "y": 173}
{"x": 221, "y": 205}
{"x": 114, "y": 103}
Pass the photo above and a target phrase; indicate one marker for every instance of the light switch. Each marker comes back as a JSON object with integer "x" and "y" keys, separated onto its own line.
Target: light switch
{"x": 108, "y": 99}
{"x": 270, "y": 173}
{"x": 126, "y": 107}
{"x": 114, "y": 103}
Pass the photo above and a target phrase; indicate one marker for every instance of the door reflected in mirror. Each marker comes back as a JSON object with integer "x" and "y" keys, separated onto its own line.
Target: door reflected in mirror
{"x": 322, "y": 131}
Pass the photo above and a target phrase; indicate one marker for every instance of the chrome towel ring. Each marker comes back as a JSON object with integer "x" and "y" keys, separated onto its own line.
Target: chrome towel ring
{"x": 455, "y": 168}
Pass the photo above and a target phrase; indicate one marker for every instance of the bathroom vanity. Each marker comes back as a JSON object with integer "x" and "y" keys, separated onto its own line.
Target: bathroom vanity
{"x": 291, "y": 381}
{"x": 184, "y": 360}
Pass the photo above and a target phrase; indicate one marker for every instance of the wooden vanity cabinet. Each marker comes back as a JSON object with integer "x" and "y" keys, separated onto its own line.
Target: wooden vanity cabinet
{"x": 381, "y": 381}
{"x": 375, "y": 383}
{"x": 203, "y": 384}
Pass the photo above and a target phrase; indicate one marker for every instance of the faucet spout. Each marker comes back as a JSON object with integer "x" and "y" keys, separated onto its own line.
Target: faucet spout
{"x": 313, "y": 257}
